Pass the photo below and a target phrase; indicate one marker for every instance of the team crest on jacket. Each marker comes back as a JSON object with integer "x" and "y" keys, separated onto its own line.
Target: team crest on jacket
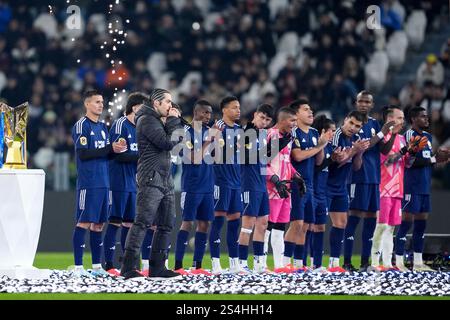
{"x": 189, "y": 144}
{"x": 373, "y": 131}
{"x": 83, "y": 141}
{"x": 297, "y": 143}
{"x": 314, "y": 140}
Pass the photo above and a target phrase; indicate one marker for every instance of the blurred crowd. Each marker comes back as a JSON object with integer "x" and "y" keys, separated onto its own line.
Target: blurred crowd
{"x": 231, "y": 44}
{"x": 431, "y": 90}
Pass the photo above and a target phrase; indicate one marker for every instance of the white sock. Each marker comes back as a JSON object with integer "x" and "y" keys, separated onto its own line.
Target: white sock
{"x": 298, "y": 263}
{"x": 277, "y": 242}
{"x": 311, "y": 262}
{"x": 234, "y": 263}
{"x": 266, "y": 247}
{"x": 388, "y": 246}
{"x": 377, "y": 242}
{"x": 145, "y": 264}
{"x": 97, "y": 266}
{"x": 258, "y": 263}
{"x": 216, "y": 263}
{"x": 334, "y": 262}
{"x": 286, "y": 260}
{"x": 266, "y": 242}
{"x": 399, "y": 261}
{"x": 243, "y": 263}
{"x": 418, "y": 259}
{"x": 79, "y": 267}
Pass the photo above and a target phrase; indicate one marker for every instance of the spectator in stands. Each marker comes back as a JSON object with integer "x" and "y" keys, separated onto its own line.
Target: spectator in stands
{"x": 390, "y": 19}
{"x": 234, "y": 47}
{"x": 431, "y": 69}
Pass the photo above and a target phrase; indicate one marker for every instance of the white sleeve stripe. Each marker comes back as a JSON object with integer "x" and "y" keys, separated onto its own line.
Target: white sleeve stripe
{"x": 119, "y": 125}
{"x": 337, "y": 134}
{"x": 409, "y": 134}
{"x": 79, "y": 126}
{"x": 76, "y": 126}
{"x": 294, "y": 132}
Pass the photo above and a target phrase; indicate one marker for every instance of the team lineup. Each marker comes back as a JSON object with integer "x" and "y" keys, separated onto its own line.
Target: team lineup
{"x": 275, "y": 180}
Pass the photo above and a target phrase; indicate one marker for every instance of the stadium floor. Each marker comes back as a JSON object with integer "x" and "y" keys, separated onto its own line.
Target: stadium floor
{"x": 309, "y": 286}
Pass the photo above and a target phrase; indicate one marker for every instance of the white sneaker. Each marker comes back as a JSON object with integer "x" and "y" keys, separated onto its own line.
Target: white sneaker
{"x": 99, "y": 272}
{"x": 423, "y": 268}
{"x": 234, "y": 265}
{"x": 319, "y": 270}
{"x": 259, "y": 266}
{"x": 79, "y": 272}
{"x": 216, "y": 268}
{"x": 401, "y": 267}
{"x": 245, "y": 270}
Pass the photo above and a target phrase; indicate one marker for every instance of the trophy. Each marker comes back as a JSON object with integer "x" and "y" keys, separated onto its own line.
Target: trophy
{"x": 14, "y": 132}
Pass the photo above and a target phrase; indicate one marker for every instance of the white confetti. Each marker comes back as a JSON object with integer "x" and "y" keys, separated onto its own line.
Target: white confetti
{"x": 309, "y": 283}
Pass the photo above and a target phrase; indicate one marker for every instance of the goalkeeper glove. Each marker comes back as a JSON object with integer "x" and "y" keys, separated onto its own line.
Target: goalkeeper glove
{"x": 281, "y": 186}
{"x": 297, "y": 178}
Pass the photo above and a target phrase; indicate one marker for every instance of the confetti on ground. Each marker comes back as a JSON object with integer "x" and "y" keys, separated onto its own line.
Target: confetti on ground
{"x": 371, "y": 284}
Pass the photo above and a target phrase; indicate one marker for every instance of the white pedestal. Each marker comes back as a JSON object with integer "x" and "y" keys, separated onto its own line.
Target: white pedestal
{"x": 21, "y": 206}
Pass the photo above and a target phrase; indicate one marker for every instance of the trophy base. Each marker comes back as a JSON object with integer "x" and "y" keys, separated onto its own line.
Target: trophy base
{"x": 14, "y": 166}
{"x": 25, "y": 273}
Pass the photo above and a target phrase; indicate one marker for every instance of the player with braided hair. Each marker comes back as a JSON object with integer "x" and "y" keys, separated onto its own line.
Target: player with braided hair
{"x": 416, "y": 201}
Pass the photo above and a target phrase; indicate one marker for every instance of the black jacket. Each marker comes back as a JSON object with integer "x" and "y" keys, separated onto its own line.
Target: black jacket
{"x": 154, "y": 141}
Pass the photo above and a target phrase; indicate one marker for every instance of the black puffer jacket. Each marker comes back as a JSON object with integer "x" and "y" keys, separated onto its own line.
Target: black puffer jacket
{"x": 154, "y": 141}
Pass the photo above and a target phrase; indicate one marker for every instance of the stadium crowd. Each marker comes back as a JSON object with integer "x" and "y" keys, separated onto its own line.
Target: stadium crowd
{"x": 231, "y": 43}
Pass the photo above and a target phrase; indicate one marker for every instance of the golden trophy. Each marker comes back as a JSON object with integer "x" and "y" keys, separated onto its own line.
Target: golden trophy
{"x": 15, "y": 132}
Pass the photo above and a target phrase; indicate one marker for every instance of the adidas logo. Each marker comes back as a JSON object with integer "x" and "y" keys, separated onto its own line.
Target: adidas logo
{"x": 92, "y": 133}
{"x": 351, "y": 238}
{"x": 402, "y": 239}
{"x": 303, "y": 140}
{"x": 83, "y": 246}
{"x": 129, "y": 136}
{"x": 101, "y": 244}
{"x": 112, "y": 248}
{"x": 185, "y": 243}
{"x": 217, "y": 241}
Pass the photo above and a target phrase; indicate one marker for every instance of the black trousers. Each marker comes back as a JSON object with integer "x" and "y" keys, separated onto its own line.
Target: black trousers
{"x": 154, "y": 206}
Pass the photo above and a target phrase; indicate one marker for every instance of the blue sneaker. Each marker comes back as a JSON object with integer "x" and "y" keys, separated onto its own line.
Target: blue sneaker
{"x": 100, "y": 272}
{"x": 79, "y": 272}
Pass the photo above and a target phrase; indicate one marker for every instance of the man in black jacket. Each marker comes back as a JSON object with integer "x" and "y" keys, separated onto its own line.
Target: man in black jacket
{"x": 155, "y": 197}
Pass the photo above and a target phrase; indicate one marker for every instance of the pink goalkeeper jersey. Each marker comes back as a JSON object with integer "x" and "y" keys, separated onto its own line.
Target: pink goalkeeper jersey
{"x": 392, "y": 173}
{"x": 279, "y": 165}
